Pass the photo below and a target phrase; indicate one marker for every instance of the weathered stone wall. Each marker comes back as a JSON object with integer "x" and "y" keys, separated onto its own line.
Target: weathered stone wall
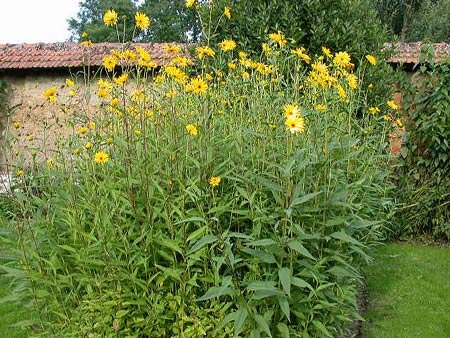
{"x": 36, "y": 123}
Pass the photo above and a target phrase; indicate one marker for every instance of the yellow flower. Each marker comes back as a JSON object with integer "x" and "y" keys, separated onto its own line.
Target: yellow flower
{"x": 291, "y": 110}
{"x": 321, "y": 107}
{"x": 88, "y": 145}
{"x": 82, "y": 131}
{"x": 76, "y": 151}
{"x": 128, "y": 55}
{"x": 114, "y": 102}
{"x": 342, "y": 59}
{"x": 374, "y": 110}
{"x": 227, "y": 45}
{"x": 227, "y": 12}
{"x": 172, "y": 49}
{"x": 214, "y": 181}
{"x": 91, "y": 125}
{"x": 16, "y": 125}
{"x": 387, "y": 118}
{"x": 209, "y": 77}
{"x": 300, "y": 52}
{"x": 143, "y": 54}
{"x": 171, "y": 94}
{"x": 272, "y": 126}
{"x": 189, "y": 3}
{"x": 50, "y": 93}
{"x": 50, "y": 163}
{"x": 278, "y": 38}
{"x": 84, "y": 35}
{"x": 296, "y": 125}
{"x": 121, "y": 79}
{"x": 101, "y": 157}
{"x": 70, "y": 83}
{"x": 87, "y": 43}
{"x": 20, "y": 172}
{"x": 327, "y": 52}
{"x": 231, "y": 65}
{"x": 138, "y": 132}
{"x": 341, "y": 91}
{"x": 245, "y": 75}
{"x": 352, "y": 81}
{"x": 372, "y": 60}
{"x": 142, "y": 20}
{"x": 30, "y": 138}
{"x": 72, "y": 93}
{"x": 110, "y": 17}
{"x": 192, "y": 129}
{"x": 266, "y": 49}
{"x": 399, "y": 123}
{"x": 109, "y": 141}
{"x": 203, "y": 51}
{"x": 392, "y": 105}
{"x": 109, "y": 62}
{"x": 198, "y": 86}
{"x": 181, "y": 61}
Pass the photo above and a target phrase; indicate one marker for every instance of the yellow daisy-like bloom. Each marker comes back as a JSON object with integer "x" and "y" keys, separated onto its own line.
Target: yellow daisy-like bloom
{"x": 121, "y": 79}
{"x": 50, "y": 163}
{"x": 204, "y": 51}
{"x": 20, "y": 172}
{"x": 181, "y": 61}
{"x": 231, "y": 65}
{"x": 198, "y": 86}
{"x": 50, "y": 93}
{"x": 82, "y": 131}
{"x": 110, "y": 17}
{"x": 227, "y": 12}
{"x": 101, "y": 157}
{"x": 300, "y": 52}
{"x": 91, "y": 125}
{"x": 399, "y": 123}
{"x": 352, "y": 81}
{"x": 88, "y": 145}
{"x": 321, "y": 107}
{"x": 296, "y": 125}
{"x": 143, "y": 54}
{"x": 372, "y": 60}
{"x": 278, "y": 38}
{"x": 266, "y": 49}
{"x": 189, "y": 3}
{"x": 128, "y": 55}
{"x": 87, "y": 43}
{"x": 245, "y": 75}
{"x": 227, "y": 45}
{"x": 374, "y": 110}
{"x": 72, "y": 93}
{"x": 342, "y": 59}
{"x": 16, "y": 125}
{"x": 109, "y": 62}
{"x": 172, "y": 49}
{"x": 291, "y": 110}
{"x": 214, "y": 181}
{"x": 192, "y": 129}
{"x": 392, "y": 105}
{"x": 341, "y": 91}
{"x": 327, "y": 52}
{"x": 171, "y": 94}
{"x": 70, "y": 83}
{"x": 142, "y": 20}
{"x": 138, "y": 132}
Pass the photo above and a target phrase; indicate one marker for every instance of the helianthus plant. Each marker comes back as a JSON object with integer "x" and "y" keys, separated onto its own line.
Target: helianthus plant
{"x": 199, "y": 201}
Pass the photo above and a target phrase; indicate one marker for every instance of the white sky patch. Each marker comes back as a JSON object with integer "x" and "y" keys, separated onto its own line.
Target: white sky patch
{"x": 34, "y": 21}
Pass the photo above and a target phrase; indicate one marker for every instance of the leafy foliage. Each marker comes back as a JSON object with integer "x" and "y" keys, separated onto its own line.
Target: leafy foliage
{"x": 427, "y": 156}
{"x": 170, "y": 21}
{"x": 192, "y": 206}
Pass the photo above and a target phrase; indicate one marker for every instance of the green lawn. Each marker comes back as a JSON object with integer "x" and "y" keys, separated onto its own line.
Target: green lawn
{"x": 409, "y": 292}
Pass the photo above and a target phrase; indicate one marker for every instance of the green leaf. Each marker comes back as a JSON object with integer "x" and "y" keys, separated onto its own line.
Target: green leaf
{"x": 171, "y": 244}
{"x": 283, "y": 330}
{"x": 191, "y": 220}
{"x": 262, "y": 242}
{"x": 322, "y": 328}
{"x": 207, "y": 239}
{"x": 284, "y": 305}
{"x": 261, "y": 321}
{"x": 218, "y": 291}
{"x": 301, "y": 283}
{"x": 304, "y": 198}
{"x": 284, "y": 274}
{"x": 345, "y": 237}
{"x": 13, "y": 272}
{"x": 121, "y": 313}
{"x": 297, "y": 246}
{"x": 197, "y": 233}
{"x": 68, "y": 248}
{"x": 241, "y": 316}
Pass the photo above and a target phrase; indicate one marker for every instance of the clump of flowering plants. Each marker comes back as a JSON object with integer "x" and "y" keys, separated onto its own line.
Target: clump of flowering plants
{"x": 217, "y": 197}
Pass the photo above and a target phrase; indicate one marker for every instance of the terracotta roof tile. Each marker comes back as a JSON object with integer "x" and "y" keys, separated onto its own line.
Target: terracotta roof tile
{"x": 65, "y": 54}
{"x": 409, "y": 52}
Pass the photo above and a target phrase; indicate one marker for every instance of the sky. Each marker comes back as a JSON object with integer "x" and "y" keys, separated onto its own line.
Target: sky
{"x": 34, "y": 21}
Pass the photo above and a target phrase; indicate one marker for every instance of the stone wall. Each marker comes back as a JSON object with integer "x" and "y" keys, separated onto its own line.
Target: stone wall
{"x": 36, "y": 123}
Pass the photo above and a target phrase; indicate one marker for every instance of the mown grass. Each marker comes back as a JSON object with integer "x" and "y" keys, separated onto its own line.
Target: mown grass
{"x": 409, "y": 292}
